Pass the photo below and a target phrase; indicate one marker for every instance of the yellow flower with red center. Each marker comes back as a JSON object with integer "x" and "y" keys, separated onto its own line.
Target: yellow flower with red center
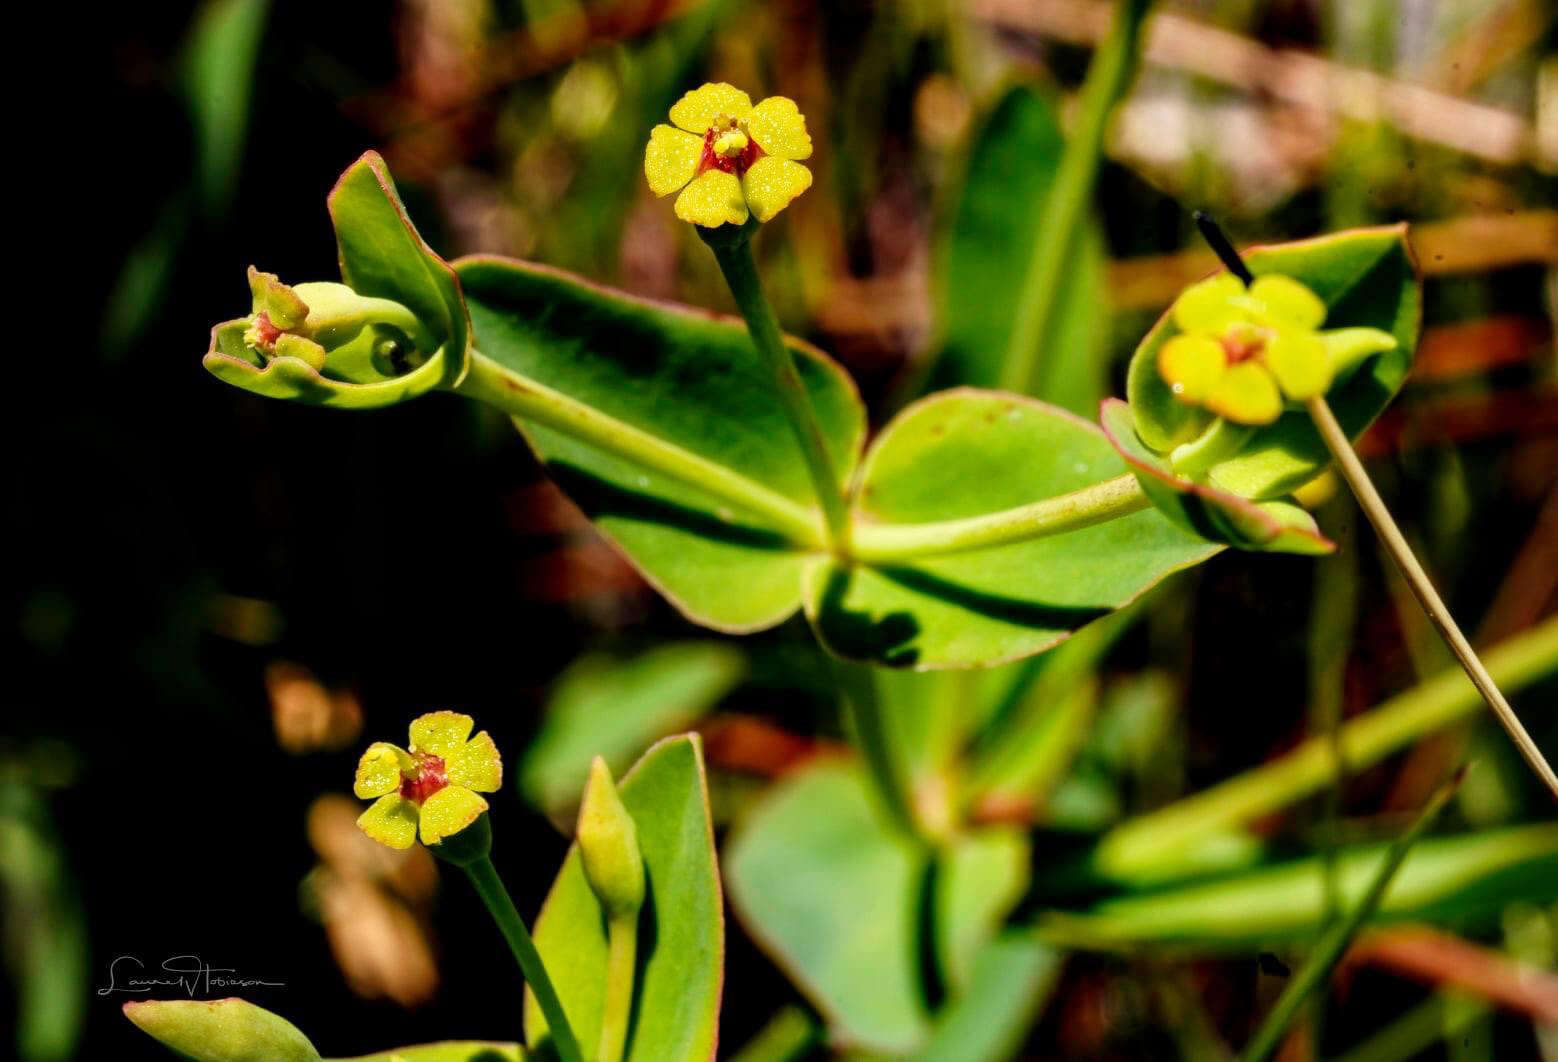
{"x": 1243, "y": 352}
{"x": 729, "y": 158}
{"x": 433, "y": 787}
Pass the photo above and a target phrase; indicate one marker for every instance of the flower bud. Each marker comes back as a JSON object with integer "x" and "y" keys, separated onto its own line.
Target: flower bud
{"x": 608, "y": 845}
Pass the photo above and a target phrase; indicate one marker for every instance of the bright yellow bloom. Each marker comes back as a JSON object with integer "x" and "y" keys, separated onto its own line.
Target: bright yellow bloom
{"x": 433, "y": 786}
{"x": 1242, "y": 352}
{"x": 728, "y": 157}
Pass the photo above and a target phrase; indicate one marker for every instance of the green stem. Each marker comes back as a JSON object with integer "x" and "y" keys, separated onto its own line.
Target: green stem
{"x": 1335, "y": 941}
{"x": 484, "y": 877}
{"x": 1422, "y": 587}
{"x": 621, "y": 964}
{"x": 883, "y": 766}
{"x": 1148, "y": 840}
{"x": 1095, "y": 504}
{"x": 736, "y": 262}
{"x": 491, "y": 382}
{"x": 1065, "y": 209}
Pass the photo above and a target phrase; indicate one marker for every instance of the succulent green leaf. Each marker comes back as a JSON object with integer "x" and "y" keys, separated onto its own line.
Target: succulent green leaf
{"x": 1012, "y": 979}
{"x": 1367, "y": 280}
{"x": 1214, "y": 514}
{"x": 964, "y": 453}
{"x": 616, "y": 707}
{"x": 1470, "y": 877}
{"x": 221, "y": 1030}
{"x": 447, "y": 1051}
{"x": 832, "y": 893}
{"x": 979, "y": 879}
{"x": 986, "y": 254}
{"x": 681, "y": 960}
{"x": 383, "y": 255}
{"x": 690, "y": 379}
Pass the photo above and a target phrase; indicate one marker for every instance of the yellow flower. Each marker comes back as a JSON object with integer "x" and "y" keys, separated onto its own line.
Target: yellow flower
{"x": 728, "y": 157}
{"x": 1242, "y": 352}
{"x": 433, "y": 786}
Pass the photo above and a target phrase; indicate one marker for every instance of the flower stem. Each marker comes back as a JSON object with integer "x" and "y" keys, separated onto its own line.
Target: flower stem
{"x": 1095, "y": 504}
{"x": 491, "y": 382}
{"x": 621, "y": 963}
{"x": 1065, "y": 209}
{"x": 736, "y": 262}
{"x": 484, "y": 877}
{"x": 1357, "y": 478}
{"x": 869, "y": 729}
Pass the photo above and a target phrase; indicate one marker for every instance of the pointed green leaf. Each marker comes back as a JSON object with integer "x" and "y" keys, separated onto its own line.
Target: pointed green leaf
{"x": 966, "y": 453}
{"x": 616, "y": 707}
{"x": 979, "y": 879}
{"x": 1468, "y": 877}
{"x": 832, "y": 894}
{"x": 1367, "y": 279}
{"x": 986, "y": 256}
{"x": 690, "y": 379}
{"x": 447, "y": 1051}
{"x": 221, "y": 1030}
{"x": 681, "y": 932}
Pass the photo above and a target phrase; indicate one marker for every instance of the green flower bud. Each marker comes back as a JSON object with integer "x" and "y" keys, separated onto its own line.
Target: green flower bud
{"x": 608, "y": 845}
{"x": 230, "y": 1030}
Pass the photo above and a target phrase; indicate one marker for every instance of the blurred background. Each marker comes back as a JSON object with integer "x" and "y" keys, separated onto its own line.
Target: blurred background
{"x": 217, "y": 600}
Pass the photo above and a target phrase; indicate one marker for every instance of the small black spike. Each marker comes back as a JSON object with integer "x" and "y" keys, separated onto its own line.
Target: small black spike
{"x": 1218, "y": 241}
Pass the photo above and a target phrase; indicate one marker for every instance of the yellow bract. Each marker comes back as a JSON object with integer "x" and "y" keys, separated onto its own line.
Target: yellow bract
{"x": 756, "y": 150}
{"x": 465, "y": 767}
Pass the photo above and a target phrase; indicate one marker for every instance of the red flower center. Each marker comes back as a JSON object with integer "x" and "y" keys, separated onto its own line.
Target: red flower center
{"x": 427, "y": 778}
{"x": 737, "y": 163}
{"x": 265, "y": 332}
{"x": 1242, "y": 344}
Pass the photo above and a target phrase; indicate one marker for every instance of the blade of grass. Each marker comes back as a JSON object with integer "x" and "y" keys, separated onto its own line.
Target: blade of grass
{"x": 1365, "y": 740}
{"x": 1335, "y": 941}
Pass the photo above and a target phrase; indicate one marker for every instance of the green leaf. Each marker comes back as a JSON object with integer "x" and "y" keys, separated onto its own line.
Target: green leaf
{"x": 447, "y": 1051}
{"x": 1468, "y": 877}
{"x": 1214, "y": 514}
{"x": 692, "y": 380}
{"x": 221, "y": 1030}
{"x": 965, "y": 453}
{"x": 979, "y": 879}
{"x": 1013, "y": 977}
{"x": 1366, "y": 278}
{"x": 987, "y": 251}
{"x": 833, "y": 896}
{"x": 217, "y": 78}
{"x": 681, "y": 934}
{"x": 615, "y": 707}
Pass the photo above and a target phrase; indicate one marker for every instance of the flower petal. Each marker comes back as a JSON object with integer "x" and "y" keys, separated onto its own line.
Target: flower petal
{"x": 1286, "y": 303}
{"x": 1299, "y": 362}
{"x": 713, "y": 198}
{"x": 449, "y": 811}
{"x": 771, "y": 183}
{"x": 392, "y": 821}
{"x": 378, "y": 772}
{"x": 1246, "y": 393}
{"x": 440, "y": 733}
{"x": 1210, "y": 305}
{"x": 477, "y": 765}
{"x": 1191, "y": 365}
{"x": 696, "y": 111}
{"x": 671, "y": 159}
{"x": 780, "y": 129}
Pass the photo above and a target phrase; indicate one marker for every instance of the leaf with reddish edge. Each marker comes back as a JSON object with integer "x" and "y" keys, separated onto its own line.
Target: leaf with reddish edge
{"x": 1272, "y": 526}
{"x": 681, "y": 932}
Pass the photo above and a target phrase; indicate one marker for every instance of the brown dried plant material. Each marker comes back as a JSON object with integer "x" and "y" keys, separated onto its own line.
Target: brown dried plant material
{"x": 307, "y": 716}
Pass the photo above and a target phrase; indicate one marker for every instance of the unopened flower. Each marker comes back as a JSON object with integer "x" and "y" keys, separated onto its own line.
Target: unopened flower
{"x": 1244, "y": 352}
{"x": 433, "y": 788}
{"x": 728, "y": 157}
